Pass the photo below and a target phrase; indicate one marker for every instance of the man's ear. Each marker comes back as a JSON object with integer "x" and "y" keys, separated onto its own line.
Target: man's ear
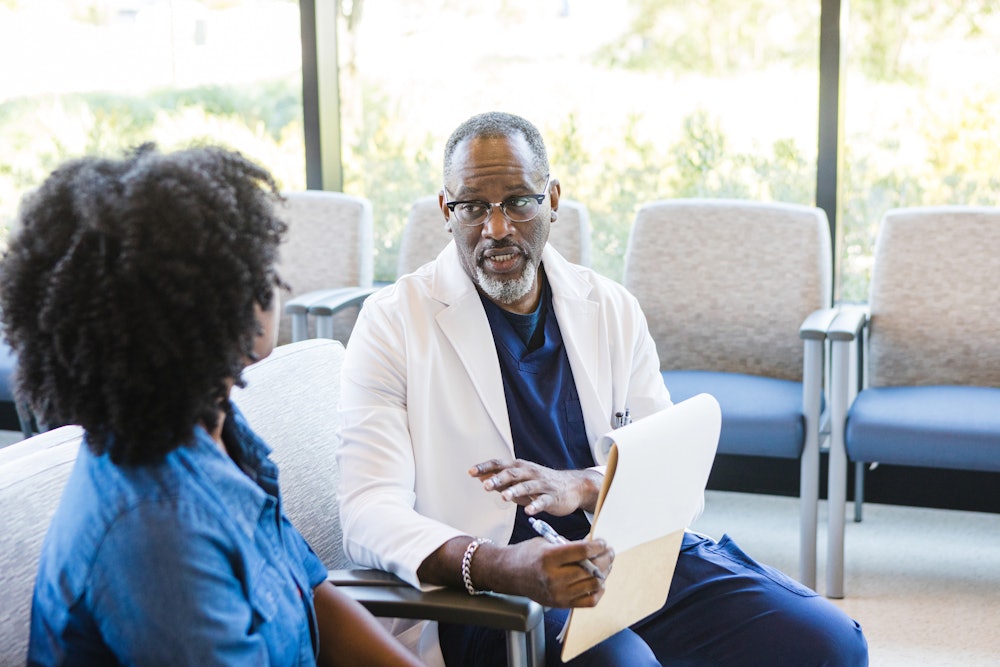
{"x": 445, "y": 211}
{"x": 555, "y": 190}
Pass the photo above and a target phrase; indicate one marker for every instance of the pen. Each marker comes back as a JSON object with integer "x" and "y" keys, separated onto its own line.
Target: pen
{"x": 550, "y": 534}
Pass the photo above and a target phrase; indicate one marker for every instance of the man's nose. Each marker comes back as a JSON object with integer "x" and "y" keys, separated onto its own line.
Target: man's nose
{"x": 496, "y": 225}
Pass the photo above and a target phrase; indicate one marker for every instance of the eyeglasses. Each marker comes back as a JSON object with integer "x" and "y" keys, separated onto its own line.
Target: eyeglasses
{"x": 519, "y": 208}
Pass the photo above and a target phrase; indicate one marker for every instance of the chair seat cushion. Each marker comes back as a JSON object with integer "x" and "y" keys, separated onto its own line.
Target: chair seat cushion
{"x": 936, "y": 426}
{"x": 761, "y": 416}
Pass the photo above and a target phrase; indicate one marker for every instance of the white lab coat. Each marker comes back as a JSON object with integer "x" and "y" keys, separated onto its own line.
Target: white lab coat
{"x": 422, "y": 401}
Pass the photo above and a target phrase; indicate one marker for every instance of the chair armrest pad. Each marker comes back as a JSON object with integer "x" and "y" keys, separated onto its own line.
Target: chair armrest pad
{"x": 361, "y": 577}
{"x": 332, "y": 301}
{"x": 503, "y": 612}
{"x": 849, "y": 322}
{"x": 814, "y": 327}
{"x": 301, "y": 303}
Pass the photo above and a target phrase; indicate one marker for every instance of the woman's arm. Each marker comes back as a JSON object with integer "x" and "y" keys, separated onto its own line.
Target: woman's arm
{"x": 349, "y": 635}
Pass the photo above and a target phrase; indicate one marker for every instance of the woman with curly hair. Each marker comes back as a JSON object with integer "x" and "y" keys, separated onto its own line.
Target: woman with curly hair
{"x": 134, "y": 294}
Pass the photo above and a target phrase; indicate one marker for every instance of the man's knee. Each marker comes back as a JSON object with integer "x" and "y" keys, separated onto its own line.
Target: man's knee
{"x": 831, "y": 639}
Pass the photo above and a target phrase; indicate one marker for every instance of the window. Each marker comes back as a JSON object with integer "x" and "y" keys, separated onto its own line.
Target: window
{"x": 672, "y": 98}
{"x": 82, "y": 77}
{"x": 921, "y": 105}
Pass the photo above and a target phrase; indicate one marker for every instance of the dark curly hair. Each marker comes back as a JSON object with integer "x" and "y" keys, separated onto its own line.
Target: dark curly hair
{"x": 128, "y": 293}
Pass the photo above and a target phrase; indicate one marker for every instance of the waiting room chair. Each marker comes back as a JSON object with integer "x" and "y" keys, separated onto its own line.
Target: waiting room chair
{"x": 13, "y": 413}
{"x": 424, "y": 235}
{"x": 33, "y": 473}
{"x": 915, "y": 376}
{"x": 737, "y": 297}
{"x": 291, "y": 399}
{"x": 328, "y": 253}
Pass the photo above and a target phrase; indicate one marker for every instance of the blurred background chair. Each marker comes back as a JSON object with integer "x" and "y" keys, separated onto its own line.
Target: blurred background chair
{"x": 737, "y": 295}
{"x": 291, "y": 400}
{"x": 14, "y": 415}
{"x": 424, "y": 235}
{"x": 33, "y": 473}
{"x": 328, "y": 253}
{"x": 915, "y": 378}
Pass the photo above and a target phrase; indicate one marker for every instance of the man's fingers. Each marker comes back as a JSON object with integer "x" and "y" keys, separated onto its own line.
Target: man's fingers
{"x": 488, "y": 467}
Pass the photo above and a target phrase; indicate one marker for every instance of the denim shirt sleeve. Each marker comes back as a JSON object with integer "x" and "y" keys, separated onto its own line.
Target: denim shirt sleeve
{"x": 316, "y": 572}
{"x": 169, "y": 586}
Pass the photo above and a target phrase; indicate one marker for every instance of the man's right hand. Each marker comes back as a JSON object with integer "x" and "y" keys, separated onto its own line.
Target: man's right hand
{"x": 547, "y": 573}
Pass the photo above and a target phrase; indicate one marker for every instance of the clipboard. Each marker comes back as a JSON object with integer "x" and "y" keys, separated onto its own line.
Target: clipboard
{"x": 654, "y": 485}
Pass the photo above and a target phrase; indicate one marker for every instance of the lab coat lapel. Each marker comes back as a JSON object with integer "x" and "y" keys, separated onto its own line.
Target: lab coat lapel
{"x": 465, "y": 326}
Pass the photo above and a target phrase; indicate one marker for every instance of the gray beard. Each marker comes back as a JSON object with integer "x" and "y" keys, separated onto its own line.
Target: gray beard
{"x": 507, "y": 291}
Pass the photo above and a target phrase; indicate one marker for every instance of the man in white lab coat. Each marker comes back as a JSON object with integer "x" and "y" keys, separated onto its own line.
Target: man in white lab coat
{"x": 474, "y": 391}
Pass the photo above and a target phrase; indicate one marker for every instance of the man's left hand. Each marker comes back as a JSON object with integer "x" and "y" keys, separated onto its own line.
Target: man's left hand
{"x": 540, "y": 489}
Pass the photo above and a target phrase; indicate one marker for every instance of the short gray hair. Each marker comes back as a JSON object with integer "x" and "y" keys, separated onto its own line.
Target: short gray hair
{"x": 495, "y": 124}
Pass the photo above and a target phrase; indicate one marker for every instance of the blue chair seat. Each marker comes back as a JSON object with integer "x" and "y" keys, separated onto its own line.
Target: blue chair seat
{"x": 761, "y": 416}
{"x": 934, "y": 426}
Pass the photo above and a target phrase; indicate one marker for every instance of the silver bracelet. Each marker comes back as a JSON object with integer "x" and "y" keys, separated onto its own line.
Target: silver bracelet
{"x": 467, "y": 563}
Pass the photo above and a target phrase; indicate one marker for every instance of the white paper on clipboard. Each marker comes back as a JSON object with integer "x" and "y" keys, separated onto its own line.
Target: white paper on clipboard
{"x": 654, "y": 485}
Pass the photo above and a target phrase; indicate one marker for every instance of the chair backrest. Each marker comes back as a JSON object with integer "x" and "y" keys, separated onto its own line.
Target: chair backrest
{"x": 290, "y": 400}
{"x": 330, "y": 243}
{"x": 33, "y": 473}
{"x": 726, "y": 284}
{"x": 570, "y": 233}
{"x": 934, "y": 300}
{"x": 424, "y": 234}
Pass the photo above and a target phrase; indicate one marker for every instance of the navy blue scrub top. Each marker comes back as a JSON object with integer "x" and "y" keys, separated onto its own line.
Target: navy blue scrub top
{"x": 546, "y": 419}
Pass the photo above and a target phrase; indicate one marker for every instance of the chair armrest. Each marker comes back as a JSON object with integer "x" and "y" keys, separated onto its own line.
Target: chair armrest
{"x": 323, "y": 304}
{"x": 301, "y": 303}
{"x": 502, "y": 612}
{"x": 364, "y": 578}
{"x": 815, "y": 326}
{"x": 850, "y": 320}
{"x": 330, "y": 302}
{"x": 385, "y": 595}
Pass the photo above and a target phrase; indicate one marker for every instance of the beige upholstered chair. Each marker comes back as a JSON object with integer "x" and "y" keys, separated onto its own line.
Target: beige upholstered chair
{"x": 291, "y": 400}
{"x": 731, "y": 289}
{"x": 929, "y": 395}
{"x": 570, "y": 233}
{"x": 33, "y": 473}
{"x": 329, "y": 246}
{"x": 424, "y": 235}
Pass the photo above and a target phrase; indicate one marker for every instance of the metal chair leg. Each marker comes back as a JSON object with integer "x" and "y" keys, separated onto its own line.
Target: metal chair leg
{"x": 859, "y": 489}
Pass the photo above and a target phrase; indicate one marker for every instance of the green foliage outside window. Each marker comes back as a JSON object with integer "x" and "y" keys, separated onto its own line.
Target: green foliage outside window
{"x": 906, "y": 143}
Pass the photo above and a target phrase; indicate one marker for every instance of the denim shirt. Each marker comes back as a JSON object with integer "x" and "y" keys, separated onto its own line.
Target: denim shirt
{"x": 189, "y": 561}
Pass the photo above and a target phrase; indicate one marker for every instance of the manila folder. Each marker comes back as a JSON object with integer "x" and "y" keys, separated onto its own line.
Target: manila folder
{"x": 653, "y": 488}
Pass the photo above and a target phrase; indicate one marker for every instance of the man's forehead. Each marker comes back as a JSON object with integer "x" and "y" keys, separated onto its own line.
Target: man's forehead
{"x": 479, "y": 161}
{"x": 479, "y": 148}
